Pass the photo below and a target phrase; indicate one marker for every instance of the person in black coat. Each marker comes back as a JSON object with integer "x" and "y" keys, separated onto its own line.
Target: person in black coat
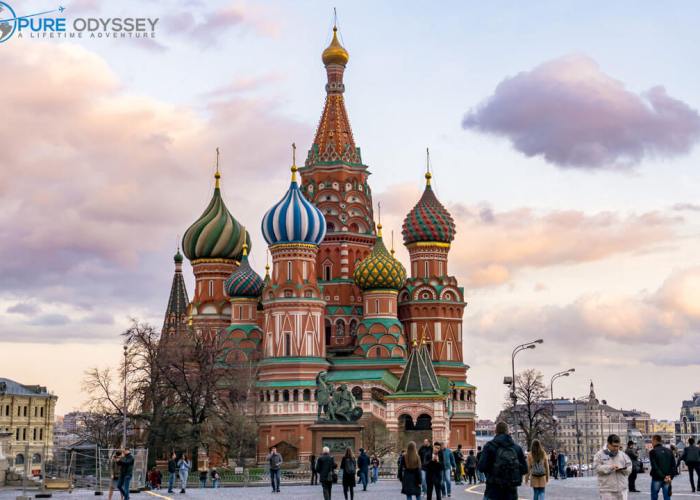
{"x": 433, "y": 472}
{"x": 312, "y": 466}
{"x": 349, "y": 467}
{"x": 410, "y": 472}
{"x": 634, "y": 458}
{"x": 325, "y": 465}
{"x": 663, "y": 468}
{"x": 691, "y": 457}
{"x": 425, "y": 453}
{"x": 363, "y": 465}
{"x": 502, "y": 488}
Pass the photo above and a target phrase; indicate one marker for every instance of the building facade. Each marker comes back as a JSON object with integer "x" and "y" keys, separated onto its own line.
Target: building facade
{"x": 27, "y": 414}
{"x": 335, "y": 299}
{"x": 688, "y": 425}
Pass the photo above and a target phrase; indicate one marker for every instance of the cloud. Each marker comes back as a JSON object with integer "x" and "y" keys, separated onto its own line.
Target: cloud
{"x": 50, "y": 320}
{"x": 492, "y": 246}
{"x": 686, "y": 207}
{"x": 93, "y": 207}
{"x": 26, "y": 308}
{"x": 575, "y": 116}
{"x": 666, "y": 319}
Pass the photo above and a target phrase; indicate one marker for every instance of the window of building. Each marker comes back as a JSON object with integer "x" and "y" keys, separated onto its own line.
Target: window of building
{"x": 287, "y": 294}
{"x": 305, "y": 270}
{"x": 24, "y": 411}
{"x": 307, "y": 395}
{"x": 34, "y": 434}
{"x": 426, "y": 266}
{"x": 414, "y": 331}
{"x": 17, "y": 434}
{"x": 438, "y": 332}
{"x": 211, "y": 288}
{"x": 327, "y": 272}
{"x": 376, "y": 306}
{"x": 24, "y": 433}
{"x": 41, "y": 434}
{"x": 287, "y": 344}
{"x": 19, "y": 411}
{"x": 309, "y": 344}
{"x": 440, "y": 268}
{"x": 289, "y": 270}
{"x": 448, "y": 349}
{"x": 7, "y": 410}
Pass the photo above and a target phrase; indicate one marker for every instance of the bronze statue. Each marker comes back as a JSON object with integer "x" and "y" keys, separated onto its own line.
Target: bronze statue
{"x": 336, "y": 405}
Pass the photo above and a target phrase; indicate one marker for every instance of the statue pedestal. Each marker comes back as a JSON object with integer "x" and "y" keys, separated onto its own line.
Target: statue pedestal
{"x": 337, "y": 436}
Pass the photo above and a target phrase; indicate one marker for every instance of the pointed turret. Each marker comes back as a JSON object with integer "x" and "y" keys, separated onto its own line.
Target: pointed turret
{"x": 419, "y": 374}
{"x": 177, "y": 312}
{"x": 591, "y": 395}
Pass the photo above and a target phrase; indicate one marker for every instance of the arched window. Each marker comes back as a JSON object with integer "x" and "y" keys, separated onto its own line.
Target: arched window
{"x": 327, "y": 272}
{"x": 287, "y": 344}
{"x": 276, "y": 396}
{"x": 306, "y": 395}
{"x": 427, "y": 268}
{"x": 19, "y": 459}
{"x": 289, "y": 270}
{"x": 285, "y": 396}
{"x": 329, "y": 328}
{"x": 357, "y": 392}
{"x": 36, "y": 458}
{"x": 424, "y": 422}
{"x": 211, "y": 288}
{"x": 461, "y": 395}
{"x": 353, "y": 328}
{"x": 305, "y": 270}
{"x": 339, "y": 328}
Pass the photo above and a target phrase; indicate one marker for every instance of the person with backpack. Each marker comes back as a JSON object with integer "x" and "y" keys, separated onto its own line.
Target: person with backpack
{"x": 691, "y": 457}
{"x": 349, "y": 467}
{"x": 504, "y": 464}
{"x": 433, "y": 472}
{"x": 663, "y": 468}
{"x": 410, "y": 467}
{"x": 471, "y": 467}
{"x": 537, "y": 470}
{"x": 612, "y": 467}
{"x": 634, "y": 458}
{"x": 459, "y": 459}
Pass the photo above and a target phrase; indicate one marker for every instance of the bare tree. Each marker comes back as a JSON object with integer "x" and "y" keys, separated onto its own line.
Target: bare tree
{"x": 377, "y": 439}
{"x": 531, "y": 415}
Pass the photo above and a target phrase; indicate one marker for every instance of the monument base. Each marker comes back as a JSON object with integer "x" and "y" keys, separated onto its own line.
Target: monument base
{"x": 337, "y": 436}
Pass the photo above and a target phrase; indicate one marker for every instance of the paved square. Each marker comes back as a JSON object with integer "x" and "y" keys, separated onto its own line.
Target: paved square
{"x": 570, "y": 489}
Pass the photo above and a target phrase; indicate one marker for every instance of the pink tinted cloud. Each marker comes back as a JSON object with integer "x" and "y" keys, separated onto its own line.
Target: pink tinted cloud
{"x": 574, "y": 115}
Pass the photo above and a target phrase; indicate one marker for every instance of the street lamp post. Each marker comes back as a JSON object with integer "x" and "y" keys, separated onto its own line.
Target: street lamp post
{"x": 516, "y": 350}
{"x": 125, "y": 404}
{"x": 557, "y": 375}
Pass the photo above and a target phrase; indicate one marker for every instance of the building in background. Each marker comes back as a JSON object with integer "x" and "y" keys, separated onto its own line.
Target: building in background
{"x": 689, "y": 423}
{"x": 27, "y": 414}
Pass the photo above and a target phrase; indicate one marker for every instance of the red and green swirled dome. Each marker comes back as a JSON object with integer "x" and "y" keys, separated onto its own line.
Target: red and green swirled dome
{"x": 379, "y": 270}
{"x": 244, "y": 282}
{"x": 216, "y": 234}
{"x": 428, "y": 220}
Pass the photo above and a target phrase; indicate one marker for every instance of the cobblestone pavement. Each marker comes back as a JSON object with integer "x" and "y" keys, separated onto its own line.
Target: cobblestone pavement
{"x": 570, "y": 489}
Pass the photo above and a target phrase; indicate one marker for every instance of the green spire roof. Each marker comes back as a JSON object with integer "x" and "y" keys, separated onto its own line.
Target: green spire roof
{"x": 419, "y": 374}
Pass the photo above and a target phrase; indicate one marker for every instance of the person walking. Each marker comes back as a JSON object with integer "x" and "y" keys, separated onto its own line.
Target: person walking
{"x": 537, "y": 470}
{"x": 115, "y": 468}
{"x": 274, "y": 460}
{"x": 375, "y": 469}
{"x": 663, "y": 468}
{"x": 612, "y": 468}
{"x": 479, "y": 475}
{"x": 183, "y": 467}
{"x": 410, "y": 473}
{"x": 504, "y": 465}
{"x": 470, "y": 465}
{"x": 459, "y": 459}
{"x": 215, "y": 478}
{"x": 312, "y": 466}
{"x": 399, "y": 463}
{"x": 172, "y": 472}
{"x": 203, "y": 474}
{"x": 325, "y": 467}
{"x": 561, "y": 464}
{"x": 434, "y": 471}
{"x": 449, "y": 466}
{"x": 425, "y": 453}
{"x": 363, "y": 465}
{"x": 349, "y": 467}
{"x": 691, "y": 457}
{"x": 634, "y": 458}
{"x": 553, "y": 464}
{"x": 126, "y": 470}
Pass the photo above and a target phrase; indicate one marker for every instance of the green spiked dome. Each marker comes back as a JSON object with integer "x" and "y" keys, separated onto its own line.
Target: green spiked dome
{"x": 216, "y": 234}
{"x": 244, "y": 282}
{"x": 380, "y": 270}
{"x": 429, "y": 220}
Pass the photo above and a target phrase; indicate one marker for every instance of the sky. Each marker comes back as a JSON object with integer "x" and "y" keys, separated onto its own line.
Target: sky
{"x": 563, "y": 139}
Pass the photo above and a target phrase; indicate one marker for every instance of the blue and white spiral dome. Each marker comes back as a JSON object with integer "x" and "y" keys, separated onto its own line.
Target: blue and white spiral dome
{"x": 294, "y": 219}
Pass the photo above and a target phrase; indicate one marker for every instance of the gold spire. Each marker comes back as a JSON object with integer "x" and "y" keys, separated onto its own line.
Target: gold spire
{"x": 379, "y": 226}
{"x": 335, "y": 53}
{"x": 245, "y": 249}
{"x": 217, "y": 175}
{"x": 294, "y": 162}
{"x": 428, "y": 175}
{"x": 392, "y": 243}
{"x": 267, "y": 264}
{"x": 415, "y": 344}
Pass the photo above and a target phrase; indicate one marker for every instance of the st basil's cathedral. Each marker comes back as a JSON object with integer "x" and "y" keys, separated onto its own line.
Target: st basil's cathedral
{"x": 336, "y": 299}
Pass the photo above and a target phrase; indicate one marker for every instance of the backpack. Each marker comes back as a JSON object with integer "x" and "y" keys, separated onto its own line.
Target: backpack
{"x": 349, "y": 467}
{"x": 537, "y": 469}
{"x": 692, "y": 454}
{"x": 506, "y": 467}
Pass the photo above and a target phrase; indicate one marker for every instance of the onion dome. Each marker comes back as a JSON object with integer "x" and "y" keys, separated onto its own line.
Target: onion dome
{"x": 216, "y": 234}
{"x": 428, "y": 220}
{"x": 294, "y": 219}
{"x": 178, "y": 257}
{"x": 244, "y": 282}
{"x": 379, "y": 270}
{"x": 335, "y": 53}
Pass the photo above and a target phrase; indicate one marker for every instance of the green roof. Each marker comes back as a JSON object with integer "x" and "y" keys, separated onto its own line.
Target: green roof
{"x": 419, "y": 375}
{"x": 384, "y": 376}
{"x": 284, "y": 359}
{"x": 245, "y": 328}
{"x": 286, "y": 383}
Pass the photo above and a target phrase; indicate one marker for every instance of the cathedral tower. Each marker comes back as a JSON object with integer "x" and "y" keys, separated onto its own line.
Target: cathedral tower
{"x": 214, "y": 245}
{"x": 335, "y": 179}
{"x": 175, "y": 321}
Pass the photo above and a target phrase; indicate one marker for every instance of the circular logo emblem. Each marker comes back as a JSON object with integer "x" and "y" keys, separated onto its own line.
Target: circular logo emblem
{"x": 8, "y": 22}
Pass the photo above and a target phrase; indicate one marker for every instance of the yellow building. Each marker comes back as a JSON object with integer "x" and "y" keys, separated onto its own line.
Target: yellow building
{"x": 27, "y": 414}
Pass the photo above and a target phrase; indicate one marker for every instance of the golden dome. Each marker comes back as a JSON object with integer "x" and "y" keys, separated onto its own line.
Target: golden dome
{"x": 335, "y": 53}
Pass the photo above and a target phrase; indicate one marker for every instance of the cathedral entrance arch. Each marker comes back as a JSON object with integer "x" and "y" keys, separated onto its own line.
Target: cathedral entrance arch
{"x": 414, "y": 426}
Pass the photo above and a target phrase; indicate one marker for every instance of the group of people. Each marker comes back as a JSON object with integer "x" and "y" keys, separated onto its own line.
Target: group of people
{"x": 122, "y": 471}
